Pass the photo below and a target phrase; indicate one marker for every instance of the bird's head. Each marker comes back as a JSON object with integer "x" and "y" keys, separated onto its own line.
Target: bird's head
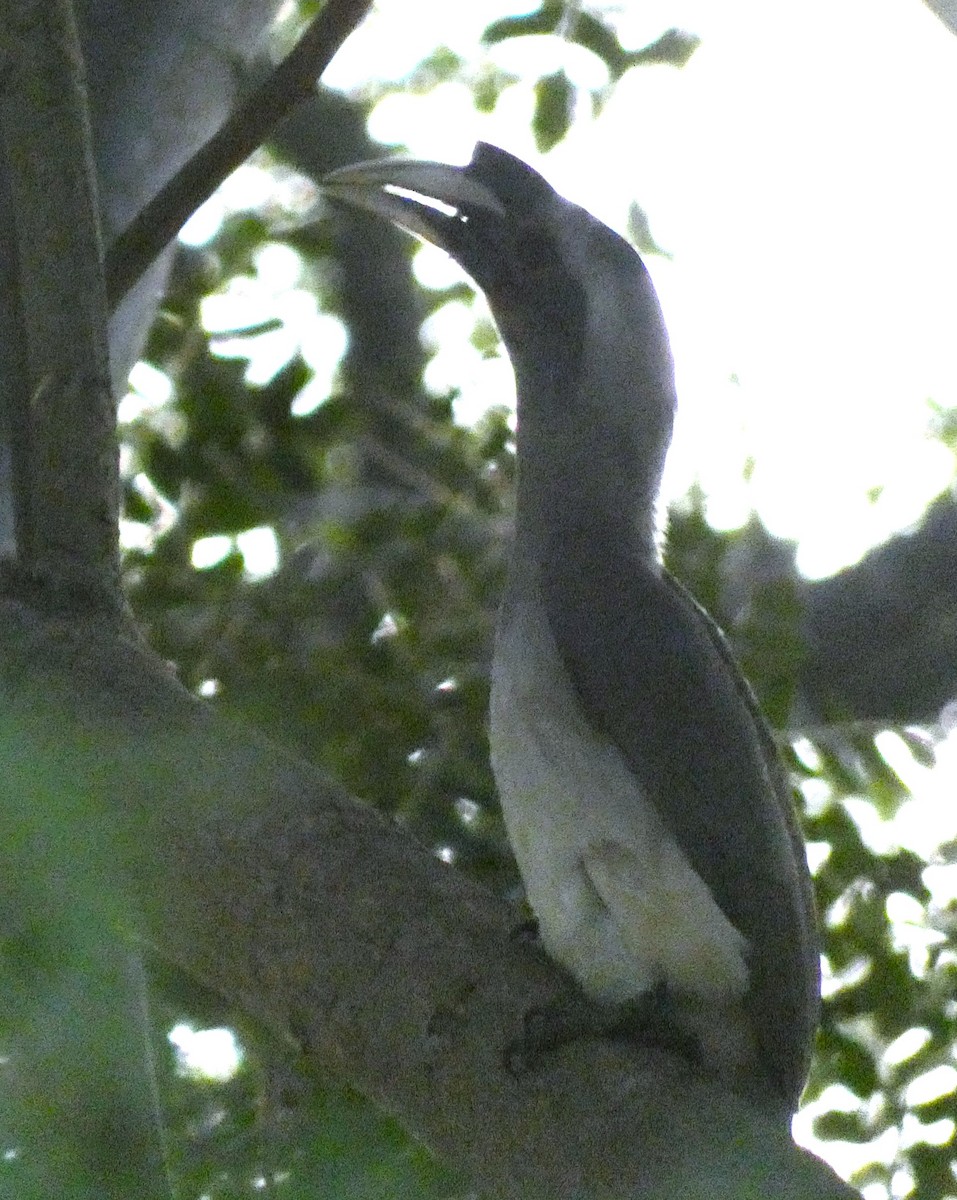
{"x": 572, "y": 299}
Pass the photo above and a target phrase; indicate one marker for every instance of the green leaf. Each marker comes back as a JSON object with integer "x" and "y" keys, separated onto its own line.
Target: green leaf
{"x": 673, "y": 47}
{"x": 589, "y": 31}
{"x": 843, "y": 1126}
{"x": 554, "y": 106}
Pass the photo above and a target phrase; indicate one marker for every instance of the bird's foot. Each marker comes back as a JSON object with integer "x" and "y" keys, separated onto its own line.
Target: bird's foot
{"x": 526, "y": 932}
{"x": 654, "y": 1019}
{"x": 549, "y": 1027}
{"x": 651, "y": 1019}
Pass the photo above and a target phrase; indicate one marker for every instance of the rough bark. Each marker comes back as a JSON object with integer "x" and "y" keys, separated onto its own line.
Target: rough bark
{"x": 257, "y": 875}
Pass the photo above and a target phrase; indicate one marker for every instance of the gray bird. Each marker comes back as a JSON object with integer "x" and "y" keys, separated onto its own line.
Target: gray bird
{"x": 646, "y": 804}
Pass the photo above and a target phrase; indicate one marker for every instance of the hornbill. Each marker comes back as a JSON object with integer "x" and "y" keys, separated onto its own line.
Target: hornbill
{"x": 647, "y": 806}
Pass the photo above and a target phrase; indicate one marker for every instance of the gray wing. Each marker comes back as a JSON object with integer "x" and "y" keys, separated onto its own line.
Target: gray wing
{"x": 654, "y": 672}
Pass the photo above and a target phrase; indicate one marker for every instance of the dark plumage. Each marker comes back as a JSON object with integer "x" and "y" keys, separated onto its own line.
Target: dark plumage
{"x": 649, "y": 812}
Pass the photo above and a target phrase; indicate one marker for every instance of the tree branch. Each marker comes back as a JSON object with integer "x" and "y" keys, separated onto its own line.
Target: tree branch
{"x": 248, "y": 127}
{"x": 881, "y": 636}
{"x": 253, "y": 872}
{"x": 62, "y": 412}
{"x": 946, "y": 10}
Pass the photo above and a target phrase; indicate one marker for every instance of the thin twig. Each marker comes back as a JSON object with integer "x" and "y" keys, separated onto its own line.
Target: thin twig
{"x": 248, "y": 127}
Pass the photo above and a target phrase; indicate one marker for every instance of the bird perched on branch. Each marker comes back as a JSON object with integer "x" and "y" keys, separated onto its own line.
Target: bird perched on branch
{"x": 645, "y": 801}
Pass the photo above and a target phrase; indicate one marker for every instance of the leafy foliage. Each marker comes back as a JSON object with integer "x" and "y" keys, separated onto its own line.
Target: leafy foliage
{"x": 592, "y": 32}
{"x": 555, "y": 94}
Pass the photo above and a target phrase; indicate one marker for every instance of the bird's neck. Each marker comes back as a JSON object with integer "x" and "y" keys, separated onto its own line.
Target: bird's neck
{"x": 589, "y": 467}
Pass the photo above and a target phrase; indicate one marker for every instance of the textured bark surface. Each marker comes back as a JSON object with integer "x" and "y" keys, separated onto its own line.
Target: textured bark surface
{"x": 258, "y": 876}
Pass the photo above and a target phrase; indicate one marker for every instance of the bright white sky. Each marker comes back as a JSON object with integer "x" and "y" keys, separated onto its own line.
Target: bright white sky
{"x": 801, "y": 171}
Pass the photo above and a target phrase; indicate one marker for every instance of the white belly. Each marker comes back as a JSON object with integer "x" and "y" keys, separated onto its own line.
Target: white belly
{"x": 616, "y": 900}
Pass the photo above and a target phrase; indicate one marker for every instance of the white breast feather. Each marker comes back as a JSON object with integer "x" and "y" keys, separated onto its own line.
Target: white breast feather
{"x": 617, "y": 902}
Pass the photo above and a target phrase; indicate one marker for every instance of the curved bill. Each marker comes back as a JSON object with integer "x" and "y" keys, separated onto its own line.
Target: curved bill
{"x": 422, "y": 197}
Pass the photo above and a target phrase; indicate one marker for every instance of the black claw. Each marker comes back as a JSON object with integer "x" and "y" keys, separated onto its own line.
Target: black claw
{"x": 526, "y": 931}
{"x": 652, "y": 1019}
{"x": 549, "y": 1027}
